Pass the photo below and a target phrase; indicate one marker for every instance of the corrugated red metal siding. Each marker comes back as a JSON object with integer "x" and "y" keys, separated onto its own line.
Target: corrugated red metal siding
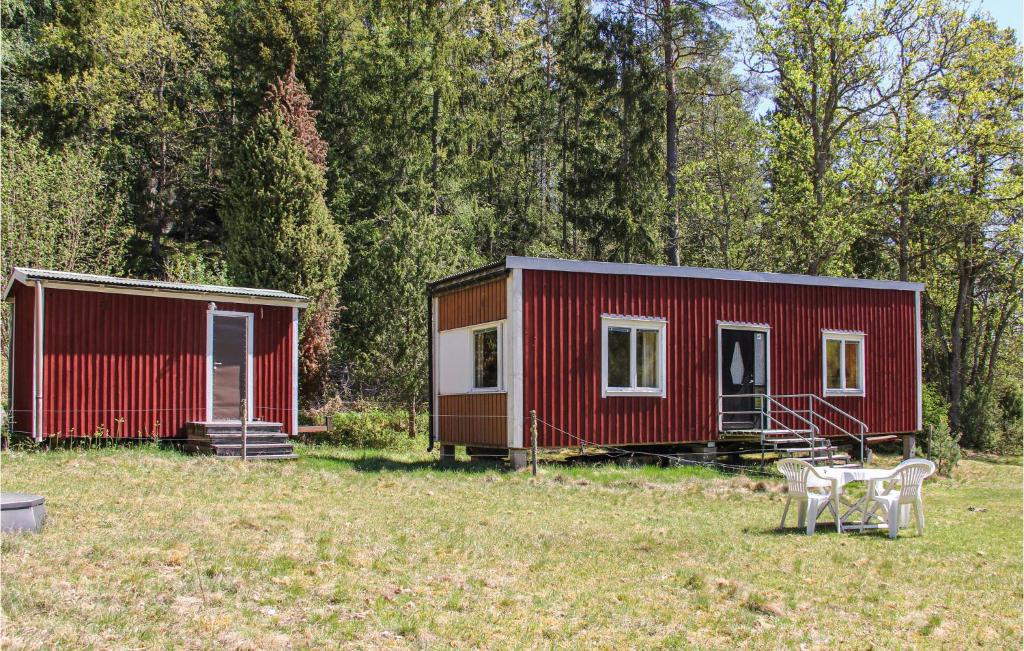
{"x": 473, "y": 419}
{"x": 471, "y": 305}
{"x": 562, "y": 356}
{"x": 136, "y": 365}
{"x": 21, "y": 377}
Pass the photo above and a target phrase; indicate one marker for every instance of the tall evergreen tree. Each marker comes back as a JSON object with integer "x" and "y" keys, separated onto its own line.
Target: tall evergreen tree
{"x": 278, "y": 231}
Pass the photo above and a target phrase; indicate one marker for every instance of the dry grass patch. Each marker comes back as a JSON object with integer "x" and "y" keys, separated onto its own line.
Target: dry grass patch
{"x": 368, "y": 550}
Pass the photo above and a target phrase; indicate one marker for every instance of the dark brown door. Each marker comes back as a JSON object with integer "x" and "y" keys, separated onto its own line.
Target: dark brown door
{"x": 229, "y": 371}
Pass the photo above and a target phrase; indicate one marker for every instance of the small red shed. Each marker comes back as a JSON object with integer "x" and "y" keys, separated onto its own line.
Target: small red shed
{"x": 642, "y": 355}
{"x": 131, "y": 358}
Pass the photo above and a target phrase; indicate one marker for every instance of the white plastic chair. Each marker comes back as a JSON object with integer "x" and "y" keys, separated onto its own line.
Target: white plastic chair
{"x": 902, "y": 488}
{"x": 811, "y": 491}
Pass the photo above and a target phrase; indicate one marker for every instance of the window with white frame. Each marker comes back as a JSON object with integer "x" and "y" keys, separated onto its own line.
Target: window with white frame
{"x": 632, "y": 356}
{"x": 486, "y": 358}
{"x": 843, "y": 363}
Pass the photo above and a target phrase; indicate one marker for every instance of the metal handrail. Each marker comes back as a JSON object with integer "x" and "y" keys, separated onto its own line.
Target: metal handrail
{"x": 861, "y": 424}
{"x": 818, "y": 398}
{"x": 765, "y": 413}
{"x": 810, "y": 411}
{"x": 814, "y": 398}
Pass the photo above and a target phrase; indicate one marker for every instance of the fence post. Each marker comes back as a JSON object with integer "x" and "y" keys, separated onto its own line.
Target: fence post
{"x": 931, "y": 430}
{"x": 533, "y": 439}
{"x": 241, "y": 416}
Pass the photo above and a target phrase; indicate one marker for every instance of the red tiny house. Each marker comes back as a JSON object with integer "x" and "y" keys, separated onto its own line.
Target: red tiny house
{"x": 562, "y": 314}
{"x": 127, "y": 359}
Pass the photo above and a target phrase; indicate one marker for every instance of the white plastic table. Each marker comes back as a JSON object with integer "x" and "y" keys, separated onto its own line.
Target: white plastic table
{"x": 860, "y": 506}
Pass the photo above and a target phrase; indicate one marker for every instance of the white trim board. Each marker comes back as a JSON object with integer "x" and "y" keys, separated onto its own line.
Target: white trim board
{"x": 843, "y": 336}
{"x": 38, "y": 368}
{"x": 667, "y": 271}
{"x": 514, "y": 369}
{"x": 295, "y": 372}
{"x": 633, "y": 324}
{"x": 917, "y": 360}
{"x": 249, "y": 318}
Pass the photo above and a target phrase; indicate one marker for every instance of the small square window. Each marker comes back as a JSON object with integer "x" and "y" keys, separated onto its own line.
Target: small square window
{"x": 843, "y": 363}
{"x": 632, "y": 356}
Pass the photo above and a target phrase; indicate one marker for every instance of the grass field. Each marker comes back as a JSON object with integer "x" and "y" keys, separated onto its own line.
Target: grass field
{"x": 146, "y": 548}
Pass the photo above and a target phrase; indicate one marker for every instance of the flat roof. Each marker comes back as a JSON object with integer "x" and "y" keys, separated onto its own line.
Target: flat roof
{"x": 669, "y": 271}
{"x": 80, "y": 281}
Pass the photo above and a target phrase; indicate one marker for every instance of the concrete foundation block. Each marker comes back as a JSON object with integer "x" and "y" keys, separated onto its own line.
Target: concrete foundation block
{"x": 447, "y": 454}
{"x": 518, "y": 459}
{"x": 909, "y": 441}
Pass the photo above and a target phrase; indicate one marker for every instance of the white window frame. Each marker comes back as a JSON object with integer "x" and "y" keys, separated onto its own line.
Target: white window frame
{"x": 498, "y": 327}
{"x": 842, "y": 337}
{"x": 634, "y": 324}
{"x": 249, "y": 317}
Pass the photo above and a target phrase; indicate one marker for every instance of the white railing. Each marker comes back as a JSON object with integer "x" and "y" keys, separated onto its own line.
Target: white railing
{"x": 811, "y": 415}
{"x": 765, "y": 416}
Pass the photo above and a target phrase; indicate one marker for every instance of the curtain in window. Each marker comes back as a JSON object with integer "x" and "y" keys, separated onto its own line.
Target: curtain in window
{"x": 647, "y": 359}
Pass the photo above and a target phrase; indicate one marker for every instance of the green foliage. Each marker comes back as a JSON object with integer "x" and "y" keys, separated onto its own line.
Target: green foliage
{"x": 944, "y": 450}
{"x": 395, "y": 263}
{"x": 934, "y": 407}
{"x": 379, "y": 429}
{"x": 278, "y": 232}
{"x": 58, "y": 211}
{"x": 140, "y": 137}
{"x": 137, "y": 80}
{"x": 188, "y": 262}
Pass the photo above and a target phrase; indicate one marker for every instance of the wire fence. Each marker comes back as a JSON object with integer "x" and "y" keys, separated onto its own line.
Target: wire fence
{"x": 587, "y": 447}
{"x": 678, "y": 459}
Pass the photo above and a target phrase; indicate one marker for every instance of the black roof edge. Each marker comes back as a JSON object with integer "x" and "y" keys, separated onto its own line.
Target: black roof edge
{"x": 465, "y": 278}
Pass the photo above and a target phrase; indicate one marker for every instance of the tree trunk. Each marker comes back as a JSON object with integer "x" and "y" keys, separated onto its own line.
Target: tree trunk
{"x": 411, "y": 422}
{"x": 435, "y": 111}
{"x": 671, "y": 129}
{"x": 956, "y": 342}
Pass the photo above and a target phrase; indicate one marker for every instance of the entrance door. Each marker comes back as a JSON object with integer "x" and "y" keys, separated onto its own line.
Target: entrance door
{"x": 743, "y": 369}
{"x": 230, "y": 373}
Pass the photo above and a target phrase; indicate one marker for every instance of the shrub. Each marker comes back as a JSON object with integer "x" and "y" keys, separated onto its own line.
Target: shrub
{"x": 934, "y": 406}
{"x": 379, "y": 429}
{"x": 944, "y": 450}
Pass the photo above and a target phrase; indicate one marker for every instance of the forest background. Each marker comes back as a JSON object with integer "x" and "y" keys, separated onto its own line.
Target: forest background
{"x": 352, "y": 151}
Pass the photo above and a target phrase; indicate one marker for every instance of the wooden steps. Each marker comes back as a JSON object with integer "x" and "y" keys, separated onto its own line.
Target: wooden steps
{"x": 264, "y": 441}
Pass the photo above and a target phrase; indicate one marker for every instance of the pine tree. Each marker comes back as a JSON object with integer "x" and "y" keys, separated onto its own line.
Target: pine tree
{"x": 278, "y": 231}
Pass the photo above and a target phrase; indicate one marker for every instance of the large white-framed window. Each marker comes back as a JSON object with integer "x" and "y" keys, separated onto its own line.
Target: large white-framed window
{"x": 632, "y": 356}
{"x": 842, "y": 363}
{"x": 487, "y": 357}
